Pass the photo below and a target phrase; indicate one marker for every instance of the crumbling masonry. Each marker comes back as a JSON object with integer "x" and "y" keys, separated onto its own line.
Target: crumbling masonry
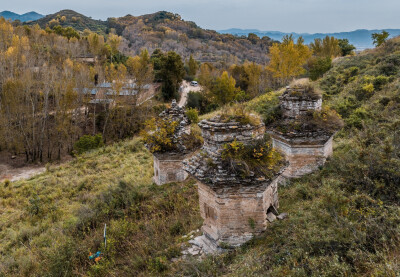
{"x": 305, "y": 149}
{"x": 234, "y": 208}
{"x": 168, "y": 165}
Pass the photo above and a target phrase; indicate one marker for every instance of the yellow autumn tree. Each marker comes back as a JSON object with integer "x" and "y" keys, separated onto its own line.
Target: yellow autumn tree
{"x": 287, "y": 58}
{"x": 327, "y": 47}
{"x": 224, "y": 90}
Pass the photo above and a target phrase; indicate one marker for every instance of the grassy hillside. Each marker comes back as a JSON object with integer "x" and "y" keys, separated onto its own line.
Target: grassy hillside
{"x": 168, "y": 32}
{"x": 49, "y": 224}
{"x": 344, "y": 220}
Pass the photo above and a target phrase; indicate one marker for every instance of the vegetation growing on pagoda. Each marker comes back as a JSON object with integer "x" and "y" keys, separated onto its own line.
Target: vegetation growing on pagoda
{"x": 159, "y": 135}
{"x": 254, "y": 159}
{"x": 327, "y": 120}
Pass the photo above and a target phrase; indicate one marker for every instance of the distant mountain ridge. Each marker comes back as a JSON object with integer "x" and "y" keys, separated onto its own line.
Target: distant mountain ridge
{"x": 168, "y": 32}
{"x": 359, "y": 38}
{"x": 21, "y": 17}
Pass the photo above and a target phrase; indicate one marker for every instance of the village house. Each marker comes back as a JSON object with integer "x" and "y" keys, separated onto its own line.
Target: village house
{"x": 126, "y": 93}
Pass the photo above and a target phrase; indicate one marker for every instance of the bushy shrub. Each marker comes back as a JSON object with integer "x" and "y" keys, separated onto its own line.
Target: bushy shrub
{"x": 267, "y": 106}
{"x": 380, "y": 81}
{"x": 88, "y": 142}
{"x": 318, "y": 67}
{"x": 199, "y": 101}
{"x": 258, "y": 157}
{"x": 327, "y": 119}
{"x": 390, "y": 65}
{"x": 356, "y": 118}
{"x": 347, "y": 106}
{"x": 193, "y": 115}
{"x": 158, "y": 264}
{"x": 158, "y": 136}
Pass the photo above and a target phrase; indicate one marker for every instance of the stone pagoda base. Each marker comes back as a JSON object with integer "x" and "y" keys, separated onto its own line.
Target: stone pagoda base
{"x": 304, "y": 154}
{"x": 168, "y": 168}
{"x": 232, "y": 216}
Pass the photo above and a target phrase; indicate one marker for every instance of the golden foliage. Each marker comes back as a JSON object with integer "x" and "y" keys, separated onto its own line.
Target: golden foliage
{"x": 288, "y": 58}
{"x": 158, "y": 136}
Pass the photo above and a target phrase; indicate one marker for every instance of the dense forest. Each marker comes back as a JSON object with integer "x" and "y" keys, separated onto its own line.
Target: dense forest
{"x": 44, "y": 101}
{"x": 343, "y": 220}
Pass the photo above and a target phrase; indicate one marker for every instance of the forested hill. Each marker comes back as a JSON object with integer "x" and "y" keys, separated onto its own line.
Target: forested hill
{"x": 69, "y": 18}
{"x": 168, "y": 31}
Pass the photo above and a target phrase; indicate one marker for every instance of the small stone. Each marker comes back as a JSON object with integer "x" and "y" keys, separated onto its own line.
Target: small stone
{"x": 13, "y": 157}
{"x": 271, "y": 217}
{"x": 282, "y": 216}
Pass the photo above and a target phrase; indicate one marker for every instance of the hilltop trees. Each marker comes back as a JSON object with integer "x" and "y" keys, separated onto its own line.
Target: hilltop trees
{"x": 192, "y": 64}
{"x": 346, "y": 47}
{"x": 224, "y": 91}
{"x": 96, "y": 43}
{"x": 288, "y": 58}
{"x": 323, "y": 52}
{"x": 380, "y": 38}
{"x": 328, "y": 47}
{"x": 44, "y": 101}
{"x": 141, "y": 68}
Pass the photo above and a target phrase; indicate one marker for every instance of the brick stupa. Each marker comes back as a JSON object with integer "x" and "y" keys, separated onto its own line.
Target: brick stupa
{"x": 306, "y": 148}
{"x": 234, "y": 208}
{"x": 168, "y": 165}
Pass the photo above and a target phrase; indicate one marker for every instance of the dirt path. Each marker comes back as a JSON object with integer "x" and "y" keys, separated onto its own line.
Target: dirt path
{"x": 186, "y": 88}
{"x": 14, "y": 174}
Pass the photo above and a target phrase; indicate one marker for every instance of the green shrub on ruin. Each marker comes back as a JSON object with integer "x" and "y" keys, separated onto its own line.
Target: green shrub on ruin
{"x": 258, "y": 157}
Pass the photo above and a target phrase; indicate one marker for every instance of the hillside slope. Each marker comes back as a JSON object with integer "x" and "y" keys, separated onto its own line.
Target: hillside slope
{"x": 344, "y": 220}
{"x": 168, "y": 32}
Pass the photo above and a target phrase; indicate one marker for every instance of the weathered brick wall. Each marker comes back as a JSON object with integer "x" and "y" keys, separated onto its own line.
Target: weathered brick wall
{"x": 292, "y": 107}
{"x": 168, "y": 168}
{"x": 227, "y": 215}
{"x": 304, "y": 156}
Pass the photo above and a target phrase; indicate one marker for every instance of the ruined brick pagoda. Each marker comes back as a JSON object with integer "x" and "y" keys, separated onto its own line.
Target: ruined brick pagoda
{"x": 305, "y": 146}
{"x": 234, "y": 207}
{"x": 168, "y": 165}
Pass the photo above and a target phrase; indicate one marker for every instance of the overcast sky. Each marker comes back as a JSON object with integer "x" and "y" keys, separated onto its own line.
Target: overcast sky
{"x": 268, "y": 15}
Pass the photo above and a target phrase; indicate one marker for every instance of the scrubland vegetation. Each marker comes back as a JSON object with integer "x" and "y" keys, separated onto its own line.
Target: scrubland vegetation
{"x": 50, "y": 223}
